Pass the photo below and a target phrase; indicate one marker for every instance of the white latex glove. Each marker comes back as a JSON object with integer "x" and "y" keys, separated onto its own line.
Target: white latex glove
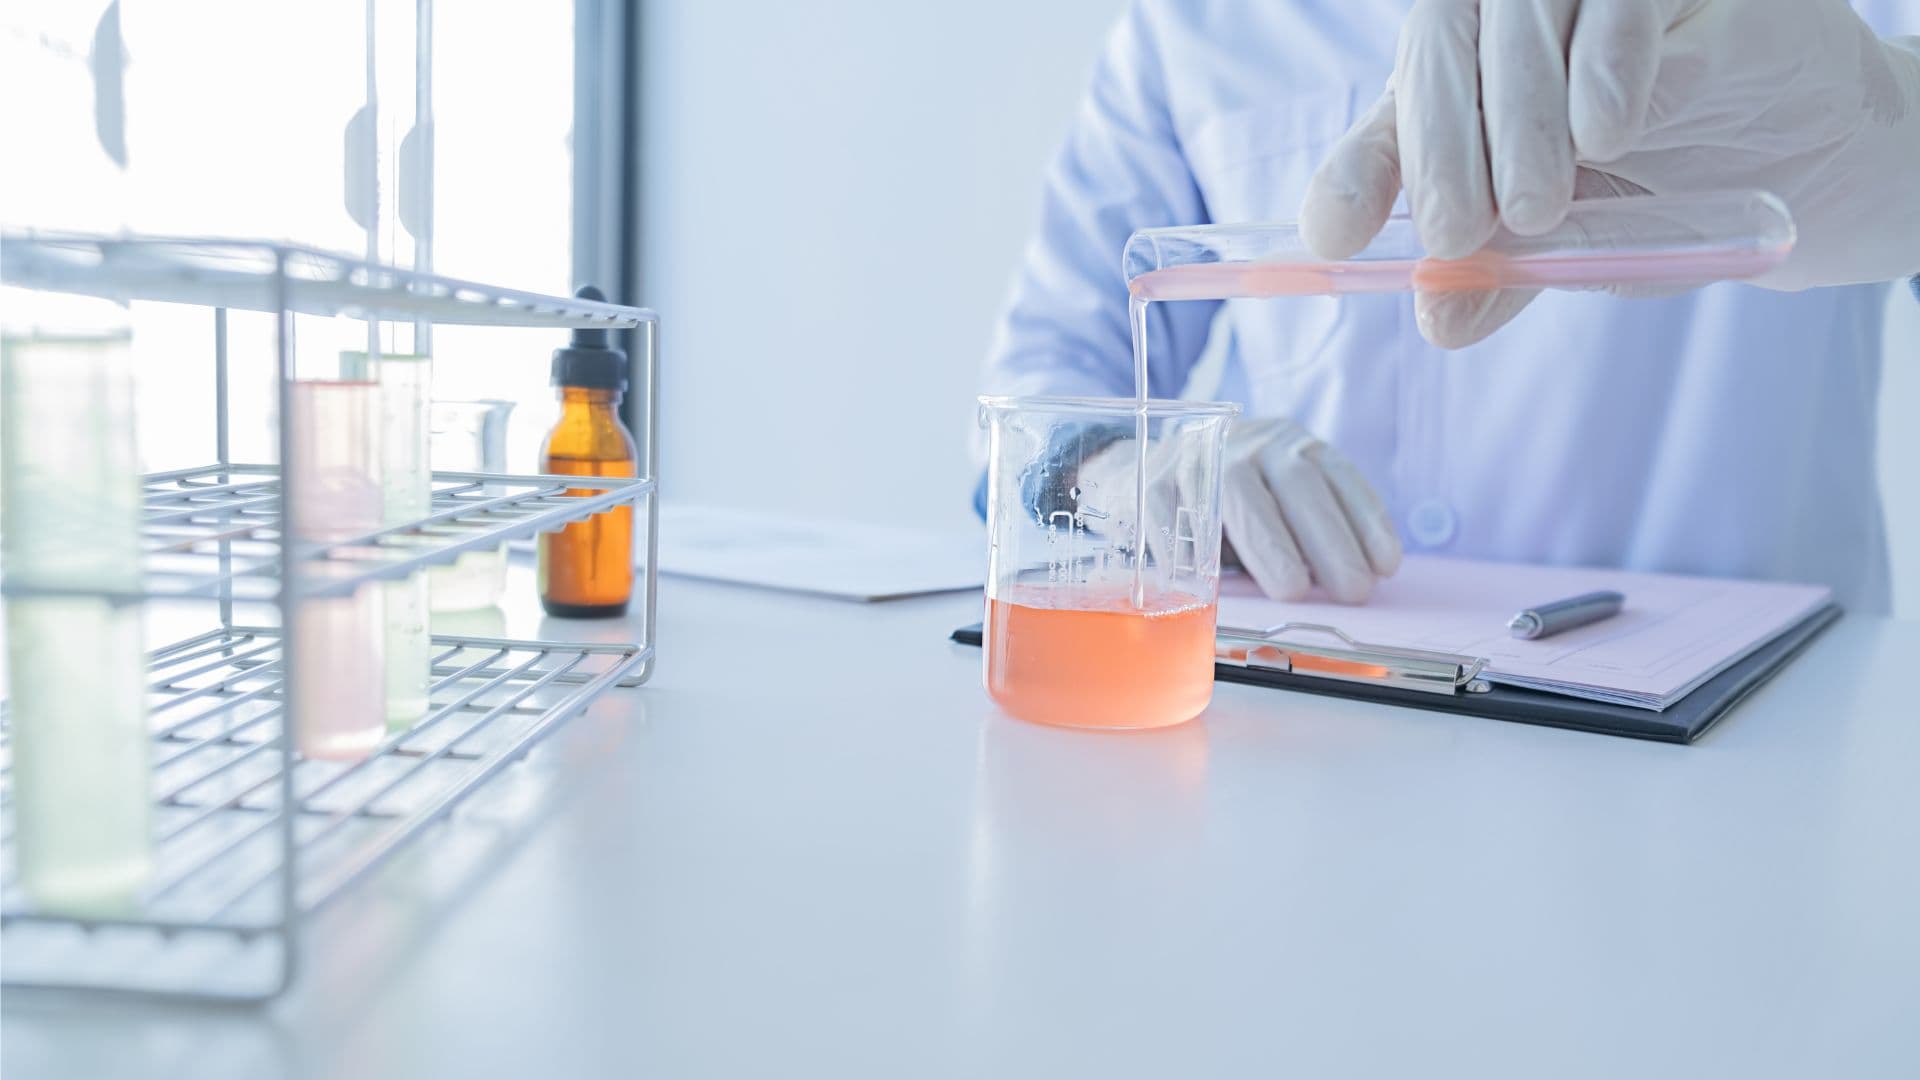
{"x": 1496, "y": 106}
{"x": 1296, "y": 511}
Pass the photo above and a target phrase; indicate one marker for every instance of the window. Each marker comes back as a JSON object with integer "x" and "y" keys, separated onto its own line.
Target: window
{"x": 240, "y": 120}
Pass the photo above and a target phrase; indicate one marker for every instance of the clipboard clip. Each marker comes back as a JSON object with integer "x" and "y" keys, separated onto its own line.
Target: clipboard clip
{"x": 1352, "y": 661}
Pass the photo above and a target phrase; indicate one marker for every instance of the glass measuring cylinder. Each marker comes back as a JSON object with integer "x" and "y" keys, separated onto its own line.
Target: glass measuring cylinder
{"x": 469, "y": 436}
{"x": 1645, "y": 240}
{"x": 1065, "y": 641}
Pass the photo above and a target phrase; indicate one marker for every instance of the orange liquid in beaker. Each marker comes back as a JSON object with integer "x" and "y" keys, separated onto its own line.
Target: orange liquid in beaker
{"x": 1112, "y": 667}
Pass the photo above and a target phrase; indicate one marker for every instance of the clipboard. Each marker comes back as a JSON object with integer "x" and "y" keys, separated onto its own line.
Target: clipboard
{"x": 1318, "y": 659}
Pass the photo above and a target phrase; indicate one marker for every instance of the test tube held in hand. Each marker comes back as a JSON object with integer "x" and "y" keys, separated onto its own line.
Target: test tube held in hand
{"x": 1649, "y": 240}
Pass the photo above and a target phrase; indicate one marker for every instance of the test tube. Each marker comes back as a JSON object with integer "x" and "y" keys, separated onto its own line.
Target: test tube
{"x": 405, "y": 383}
{"x": 339, "y": 688}
{"x": 70, "y": 520}
{"x": 339, "y": 698}
{"x": 1642, "y": 240}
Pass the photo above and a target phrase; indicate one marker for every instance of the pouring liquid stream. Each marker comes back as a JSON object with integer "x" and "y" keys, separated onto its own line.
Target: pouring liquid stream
{"x": 1137, "y": 319}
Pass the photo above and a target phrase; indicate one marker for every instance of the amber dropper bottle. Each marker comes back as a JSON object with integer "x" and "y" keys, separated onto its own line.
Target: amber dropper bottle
{"x": 586, "y": 569}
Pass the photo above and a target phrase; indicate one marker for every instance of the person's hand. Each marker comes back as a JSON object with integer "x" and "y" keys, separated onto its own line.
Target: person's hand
{"x": 1296, "y": 512}
{"x": 1500, "y": 112}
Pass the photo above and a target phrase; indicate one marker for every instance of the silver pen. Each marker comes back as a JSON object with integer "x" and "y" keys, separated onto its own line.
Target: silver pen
{"x": 1549, "y": 619}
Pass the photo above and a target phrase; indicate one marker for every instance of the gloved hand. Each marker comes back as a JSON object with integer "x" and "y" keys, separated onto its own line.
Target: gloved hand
{"x": 1500, "y": 112}
{"x": 1296, "y": 512}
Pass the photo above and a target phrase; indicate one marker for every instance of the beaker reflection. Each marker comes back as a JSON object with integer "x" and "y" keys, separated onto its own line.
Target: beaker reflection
{"x": 1075, "y": 842}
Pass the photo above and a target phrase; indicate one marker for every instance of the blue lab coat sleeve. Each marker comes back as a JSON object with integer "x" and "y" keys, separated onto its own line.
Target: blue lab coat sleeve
{"x": 1064, "y": 329}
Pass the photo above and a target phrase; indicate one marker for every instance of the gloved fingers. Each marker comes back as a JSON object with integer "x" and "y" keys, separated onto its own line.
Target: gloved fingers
{"x": 1103, "y": 484}
{"x": 1333, "y": 553}
{"x": 1589, "y": 183}
{"x": 1353, "y": 190}
{"x": 1611, "y": 65}
{"x": 1364, "y": 510}
{"x": 1631, "y": 230}
{"x": 1523, "y": 88}
{"x": 1109, "y": 496}
{"x": 1443, "y": 152}
{"x": 1452, "y": 313}
{"x": 1455, "y": 320}
{"x": 1259, "y": 534}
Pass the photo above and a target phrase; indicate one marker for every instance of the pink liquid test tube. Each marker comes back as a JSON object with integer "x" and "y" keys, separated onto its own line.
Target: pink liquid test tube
{"x": 1657, "y": 241}
{"x": 338, "y": 660}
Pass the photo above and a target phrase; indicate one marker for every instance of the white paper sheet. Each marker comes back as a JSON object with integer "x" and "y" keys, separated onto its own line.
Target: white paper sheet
{"x": 833, "y": 558}
{"x": 1673, "y": 633}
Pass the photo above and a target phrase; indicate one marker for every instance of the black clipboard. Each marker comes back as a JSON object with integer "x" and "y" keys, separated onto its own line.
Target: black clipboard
{"x": 1682, "y": 722}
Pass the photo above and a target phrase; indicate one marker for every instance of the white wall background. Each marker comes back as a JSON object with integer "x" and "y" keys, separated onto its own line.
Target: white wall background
{"x": 835, "y": 194}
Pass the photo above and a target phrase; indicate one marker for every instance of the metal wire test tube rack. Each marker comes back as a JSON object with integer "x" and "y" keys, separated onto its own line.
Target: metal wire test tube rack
{"x": 250, "y": 838}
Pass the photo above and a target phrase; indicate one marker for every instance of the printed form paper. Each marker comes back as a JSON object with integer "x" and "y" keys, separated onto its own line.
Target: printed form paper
{"x": 830, "y": 558}
{"x": 1673, "y": 633}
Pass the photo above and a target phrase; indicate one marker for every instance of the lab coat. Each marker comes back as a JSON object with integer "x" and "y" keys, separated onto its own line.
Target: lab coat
{"x": 1727, "y": 431}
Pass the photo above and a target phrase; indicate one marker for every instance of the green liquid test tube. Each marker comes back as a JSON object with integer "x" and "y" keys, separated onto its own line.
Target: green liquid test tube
{"x": 69, "y": 518}
{"x": 404, "y": 382}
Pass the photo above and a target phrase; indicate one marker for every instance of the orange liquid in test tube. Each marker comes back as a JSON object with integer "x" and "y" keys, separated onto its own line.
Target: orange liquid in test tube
{"x": 1112, "y": 667}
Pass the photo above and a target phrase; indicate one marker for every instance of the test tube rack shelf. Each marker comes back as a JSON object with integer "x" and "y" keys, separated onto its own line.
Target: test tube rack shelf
{"x": 211, "y": 912}
{"x": 260, "y": 275}
{"x": 214, "y": 530}
{"x": 252, "y": 839}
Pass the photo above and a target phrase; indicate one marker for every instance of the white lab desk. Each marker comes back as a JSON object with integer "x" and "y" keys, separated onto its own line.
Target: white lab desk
{"x": 812, "y": 848}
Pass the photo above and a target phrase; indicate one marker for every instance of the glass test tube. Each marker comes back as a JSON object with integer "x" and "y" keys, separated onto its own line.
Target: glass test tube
{"x": 1643, "y": 240}
{"x": 470, "y": 436}
{"x": 339, "y": 697}
{"x": 405, "y": 381}
{"x": 70, "y": 519}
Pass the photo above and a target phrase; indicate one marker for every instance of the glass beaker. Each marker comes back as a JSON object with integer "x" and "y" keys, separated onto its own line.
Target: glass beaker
{"x": 469, "y": 436}
{"x": 1099, "y": 615}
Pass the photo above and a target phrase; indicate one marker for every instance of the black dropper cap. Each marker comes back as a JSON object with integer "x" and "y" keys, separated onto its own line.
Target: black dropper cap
{"x": 589, "y": 359}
